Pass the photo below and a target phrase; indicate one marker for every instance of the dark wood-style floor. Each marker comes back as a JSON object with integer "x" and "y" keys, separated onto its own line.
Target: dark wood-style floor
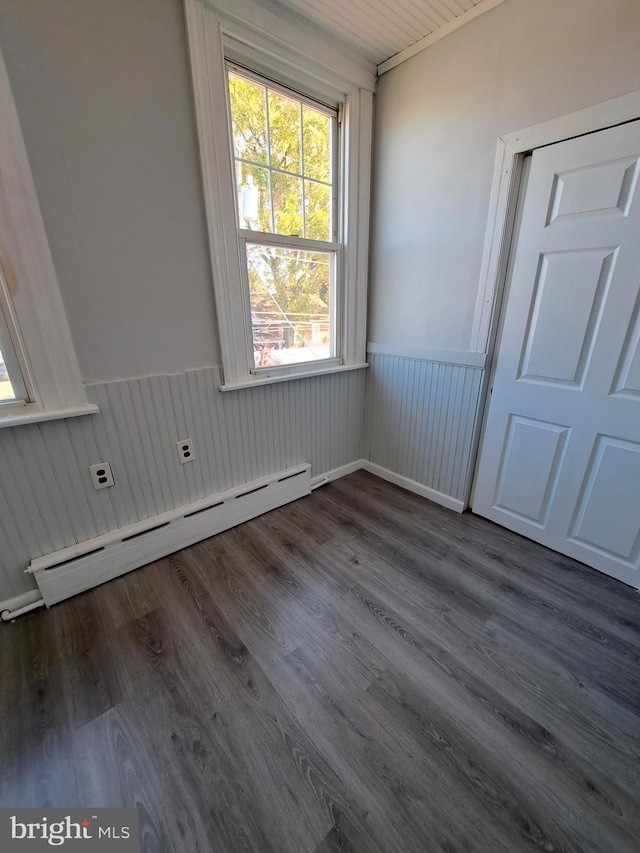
{"x": 359, "y": 671}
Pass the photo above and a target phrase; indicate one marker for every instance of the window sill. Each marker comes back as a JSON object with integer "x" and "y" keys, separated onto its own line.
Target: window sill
{"x": 270, "y": 380}
{"x": 32, "y": 414}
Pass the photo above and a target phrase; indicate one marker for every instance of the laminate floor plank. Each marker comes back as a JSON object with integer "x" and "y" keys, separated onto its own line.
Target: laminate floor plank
{"x": 497, "y": 781}
{"x": 83, "y": 639}
{"x": 37, "y": 766}
{"x": 580, "y": 717}
{"x": 401, "y": 818}
{"x": 360, "y": 670}
{"x": 410, "y": 556}
{"x": 512, "y": 576}
{"x": 612, "y": 672}
{"x": 268, "y": 630}
{"x": 300, "y": 557}
{"x": 496, "y": 548}
{"x": 115, "y": 767}
{"x": 285, "y": 785}
{"x": 329, "y": 633}
{"x": 36, "y": 738}
{"x": 445, "y": 627}
{"x": 133, "y": 597}
{"x": 502, "y": 729}
{"x": 346, "y": 836}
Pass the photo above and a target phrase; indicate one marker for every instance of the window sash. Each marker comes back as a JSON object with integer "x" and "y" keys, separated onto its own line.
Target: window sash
{"x": 12, "y": 364}
{"x": 247, "y": 236}
{"x": 291, "y": 242}
{"x": 336, "y": 184}
{"x": 334, "y": 250}
{"x": 327, "y": 108}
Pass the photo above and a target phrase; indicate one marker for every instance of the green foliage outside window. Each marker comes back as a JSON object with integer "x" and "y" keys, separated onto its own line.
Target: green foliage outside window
{"x": 284, "y": 171}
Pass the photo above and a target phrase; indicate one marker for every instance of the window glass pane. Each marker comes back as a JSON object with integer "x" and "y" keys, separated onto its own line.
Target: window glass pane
{"x": 254, "y": 197}
{"x": 287, "y": 204}
{"x": 317, "y": 144}
{"x": 249, "y": 119}
{"x": 284, "y": 132}
{"x": 6, "y": 388}
{"x": 283, "y": 151}
{"x": 290, "y": 304}
{"x": 317, "y": 198}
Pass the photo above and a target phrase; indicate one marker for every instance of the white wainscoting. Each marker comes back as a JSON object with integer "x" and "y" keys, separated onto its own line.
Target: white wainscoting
{"x": 47, "y": 501}
{"x": 421, "y": 416}
{"x": 419, "y": 425}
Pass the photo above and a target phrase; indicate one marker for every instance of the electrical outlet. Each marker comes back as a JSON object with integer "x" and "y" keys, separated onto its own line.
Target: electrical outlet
{"x": 101, "y": 475}
{"x": 185, "y": 450}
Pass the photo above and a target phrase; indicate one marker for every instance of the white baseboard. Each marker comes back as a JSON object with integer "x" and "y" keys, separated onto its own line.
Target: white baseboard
{"x": 413, "y": 486}
{"x": 391, "y": 477}
{"x": 73, "y": 570}
{"x": 336, "y": 473}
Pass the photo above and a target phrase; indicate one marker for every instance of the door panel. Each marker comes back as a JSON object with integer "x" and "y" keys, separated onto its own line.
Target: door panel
{"x": 627, "y": 383}
{"x": 532, "y": 450}
{"x": 568, "y": 282}
{"x": 560, "y": 455}
{"x": 603, "y": 188}
{"x": 607, "y": 515}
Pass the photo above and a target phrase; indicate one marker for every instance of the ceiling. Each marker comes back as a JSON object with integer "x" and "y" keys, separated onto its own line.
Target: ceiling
{"x": 380, "y": 29}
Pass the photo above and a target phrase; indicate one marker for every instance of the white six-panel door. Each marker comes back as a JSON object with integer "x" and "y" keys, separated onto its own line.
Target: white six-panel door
{"x": 560, "y": 457}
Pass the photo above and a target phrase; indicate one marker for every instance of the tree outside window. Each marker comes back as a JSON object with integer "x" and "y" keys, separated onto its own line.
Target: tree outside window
{"x": 283, "y": 150}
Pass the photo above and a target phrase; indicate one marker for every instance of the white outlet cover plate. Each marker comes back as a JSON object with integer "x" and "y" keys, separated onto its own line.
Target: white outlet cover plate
{"x": 186, "y": 452}
{"x": 101, "y": 475}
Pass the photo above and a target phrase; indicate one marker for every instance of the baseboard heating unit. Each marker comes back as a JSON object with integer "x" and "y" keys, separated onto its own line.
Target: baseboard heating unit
{"x": 65, "y": 573}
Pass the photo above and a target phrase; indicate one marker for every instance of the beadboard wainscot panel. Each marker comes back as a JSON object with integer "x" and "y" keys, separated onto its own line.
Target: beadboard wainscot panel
{"x": 421, "y": 413}
{"x": 47, "y": 501}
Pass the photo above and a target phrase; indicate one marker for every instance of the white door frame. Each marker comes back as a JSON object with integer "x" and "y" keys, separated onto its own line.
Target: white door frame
{"x": 510, "y": 153}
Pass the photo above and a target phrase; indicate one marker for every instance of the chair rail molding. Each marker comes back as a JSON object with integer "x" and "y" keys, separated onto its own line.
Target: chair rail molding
{"x": 469, "y": 359}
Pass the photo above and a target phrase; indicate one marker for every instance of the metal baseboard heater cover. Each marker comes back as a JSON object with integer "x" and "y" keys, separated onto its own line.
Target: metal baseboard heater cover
{"x": 65, "y": 573}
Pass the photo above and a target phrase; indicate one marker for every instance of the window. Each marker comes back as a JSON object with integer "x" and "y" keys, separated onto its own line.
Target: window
{"x": 39, "y": 374}
{"x": 286, "y": 183}
{"x": 284, "y": 153}
{"x": 12, "y": 387}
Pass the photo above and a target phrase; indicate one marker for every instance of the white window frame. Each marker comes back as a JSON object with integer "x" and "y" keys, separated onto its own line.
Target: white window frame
{"x": 10, "y": 349}
{"x": 279, "y": 50}
{"x": 36, "y": 335}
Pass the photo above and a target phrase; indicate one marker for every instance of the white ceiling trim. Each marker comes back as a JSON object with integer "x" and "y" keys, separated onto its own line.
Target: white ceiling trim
{"x": 437, "y": 35}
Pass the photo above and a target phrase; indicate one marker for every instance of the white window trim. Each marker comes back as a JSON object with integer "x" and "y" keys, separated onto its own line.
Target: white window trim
{"x": 275, "y": 47}
{"x": 29, "y": 293}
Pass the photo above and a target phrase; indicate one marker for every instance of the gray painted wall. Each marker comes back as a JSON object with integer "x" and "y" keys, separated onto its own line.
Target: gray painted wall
{"x": 439, "y": 116}
{"x": 438, "y": 119}
{"x": 103, "y": 93}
